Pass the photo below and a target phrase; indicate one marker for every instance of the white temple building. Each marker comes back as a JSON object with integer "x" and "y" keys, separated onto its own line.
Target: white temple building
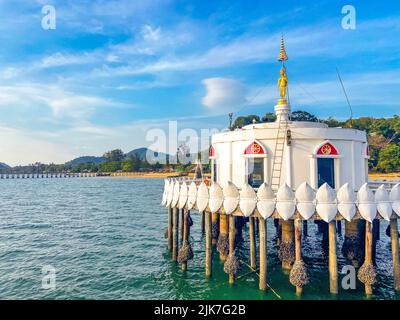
{"x": 290, "y": 152}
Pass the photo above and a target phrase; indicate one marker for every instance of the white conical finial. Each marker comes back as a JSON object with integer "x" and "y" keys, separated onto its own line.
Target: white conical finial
{"x": 175, "y": 195}
{"x": 366, "y": 203}
{"x": 183, "y": 195}
{"x": 231, "y": 197}
{"x": 347, "y": 202}
{"x": 216, "y": 197}
{"x": 266, "y": 200}
{"x": 326, "y": 203}
{"x": 248, "y": 200}
{"x": 202, "y": 197}
{"x": 192, "y": 195}
{"x": 383, "y": 203}
{"x": 285, "y": 202}
{"x": 305, "y": 196}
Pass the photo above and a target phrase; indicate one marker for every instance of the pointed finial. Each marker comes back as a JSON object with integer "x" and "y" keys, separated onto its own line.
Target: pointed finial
{"x": 282, "y": 52}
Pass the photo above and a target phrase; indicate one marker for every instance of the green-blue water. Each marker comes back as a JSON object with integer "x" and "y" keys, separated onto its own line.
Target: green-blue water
{"x": 105, "y": 238}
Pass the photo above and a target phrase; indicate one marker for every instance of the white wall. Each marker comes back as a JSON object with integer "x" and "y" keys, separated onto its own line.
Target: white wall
{"x": 230, "y": 146}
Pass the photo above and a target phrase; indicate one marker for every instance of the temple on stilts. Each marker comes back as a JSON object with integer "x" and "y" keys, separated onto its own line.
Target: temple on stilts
{"x": 293, "y": 172}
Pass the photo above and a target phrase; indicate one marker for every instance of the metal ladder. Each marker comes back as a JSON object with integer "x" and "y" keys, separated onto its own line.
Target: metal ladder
{"x": 278, "y": 156}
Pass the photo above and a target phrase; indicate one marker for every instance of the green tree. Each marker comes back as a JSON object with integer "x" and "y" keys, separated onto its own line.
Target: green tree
{"x": 301, "y": 115}
{"x": 363, "y": 123}
{"x": 245, "y": 120}
{"x": 389, "y": 159}
{"x": 383, "y": 126}
{"x": 114, "y": 155}
{"x": 269, "y": 117}
{"x": 333, "y": 123}
{"x": 127, "y": 165}
{"x": 110, "y": 166}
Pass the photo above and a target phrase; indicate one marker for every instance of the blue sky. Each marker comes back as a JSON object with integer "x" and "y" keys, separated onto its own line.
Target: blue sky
{"x": 114, "y": 69}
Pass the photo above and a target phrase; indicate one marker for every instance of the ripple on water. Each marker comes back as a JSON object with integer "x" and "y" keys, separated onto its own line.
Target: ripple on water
{"x": 105, "y": 238}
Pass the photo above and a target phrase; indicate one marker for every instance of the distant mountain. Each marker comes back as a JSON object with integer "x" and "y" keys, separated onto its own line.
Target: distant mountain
{"x": 142, "y": 152}
{"x": 86, "y": 159}
{"x": 4, "y": 166}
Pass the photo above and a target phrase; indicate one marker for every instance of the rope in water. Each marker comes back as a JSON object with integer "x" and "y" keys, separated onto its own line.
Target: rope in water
{"x": 255, "y": 271}
{"x": 246, "y": 274}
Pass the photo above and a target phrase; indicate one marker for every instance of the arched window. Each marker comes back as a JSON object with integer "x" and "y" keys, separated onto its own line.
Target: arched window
{"x": 256, "y": 163}
{"x": 325, "y": 164}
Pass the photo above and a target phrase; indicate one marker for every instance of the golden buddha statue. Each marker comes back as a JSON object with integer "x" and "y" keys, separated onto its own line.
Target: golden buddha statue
{"x": 282, "y": 83}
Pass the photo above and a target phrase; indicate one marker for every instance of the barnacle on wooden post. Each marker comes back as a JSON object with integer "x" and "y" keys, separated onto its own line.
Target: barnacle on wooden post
{"x": 185, "y": 252}
{"x": 286, "y": 252}
{"x": 223, "y": 244}
{"x": 232, "y": 265}
{"x": 367, "y": 274}
{"x": 298, "y": 275}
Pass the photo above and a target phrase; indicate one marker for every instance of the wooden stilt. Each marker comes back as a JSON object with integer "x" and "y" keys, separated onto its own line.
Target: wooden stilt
{"x": 215, "y": 218}
{"x": 333, "y": 273}
{"x": 297, "y": 239}
{"x": 185, "y": 234}
{"x": 263, "y": 254}
{"x": 305, "y": 228}
{"x": 287, "y": 240}
{"x": 368, "y": 251}
{"x": 175, "y": 234}
{"x": 208, "y": 226}
{"x": 394, "y": 235}
{"x": 182, "y": 213}
{"x": 223, "y": 231}
{"x": 252, "y": 243}
{"x": 231, "y": 242}
{"x": 202, "y": 217}
{"x": 188, "y": 225}
{"x": 169, "y": 241}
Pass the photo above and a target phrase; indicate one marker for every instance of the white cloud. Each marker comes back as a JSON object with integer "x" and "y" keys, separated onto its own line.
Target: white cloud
{"x": 61, "y": 59}
{"x": 61, "y": 102}
{"x": 150, "y": 33}
{"x": 223, "y": 93}
{"x": 77, "y": 106}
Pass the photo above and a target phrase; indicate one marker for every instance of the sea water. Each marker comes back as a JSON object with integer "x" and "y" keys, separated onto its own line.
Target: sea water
{"x": 103, "y": 238}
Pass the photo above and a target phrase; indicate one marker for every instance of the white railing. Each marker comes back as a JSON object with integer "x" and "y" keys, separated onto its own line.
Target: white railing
{"x": 324, "y": 203}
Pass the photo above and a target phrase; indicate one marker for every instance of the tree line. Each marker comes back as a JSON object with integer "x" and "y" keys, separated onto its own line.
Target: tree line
{"x": 383, "y": 135}
{"x": 114, "y": 161}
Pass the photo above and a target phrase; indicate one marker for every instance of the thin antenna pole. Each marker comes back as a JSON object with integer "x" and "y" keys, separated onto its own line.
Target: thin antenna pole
{"x": 347, "y": 98}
